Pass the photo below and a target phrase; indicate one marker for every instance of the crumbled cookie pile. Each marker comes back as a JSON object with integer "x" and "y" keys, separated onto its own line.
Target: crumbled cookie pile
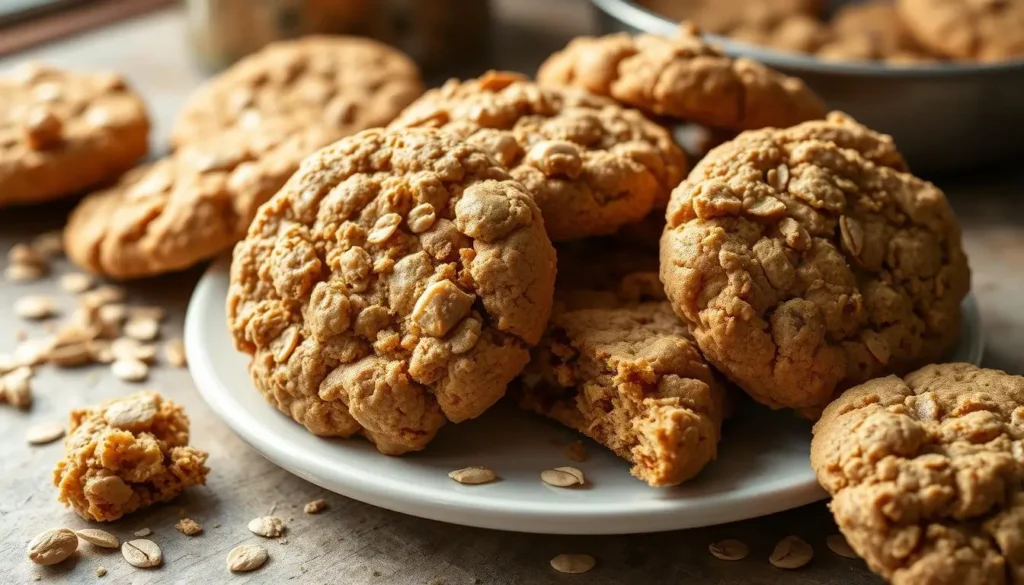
{"x": 127, "y": 454}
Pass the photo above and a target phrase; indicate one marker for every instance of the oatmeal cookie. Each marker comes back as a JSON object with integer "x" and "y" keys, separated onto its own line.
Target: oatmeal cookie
{"x": 127, "y": 454}
{"x": 398, "y": 280}
{"x": 188, "y": 207}
{"x": 797, "y": 33}
{"x": 683, "y": 77}
{"x": 726, "y": 17}
{"x": 927, "y": 472}
{"x": 808, "y": 260}
{"x": 629, "y": 378}
{"x": 62, "y": 132}
{"x": 986, "y": 30}
{"x": 338, "y": 84}
{"x": 872, "y": 30}
{"x": 591, "y": 165}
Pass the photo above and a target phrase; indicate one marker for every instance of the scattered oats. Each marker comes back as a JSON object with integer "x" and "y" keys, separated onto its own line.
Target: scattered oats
{"x": 131, "y": 349}
{"x": 188, "y": 527}
{"x": 129, "y": 370}
{"x": 17, "y": 388}
{"x": 246, "y": 557}
{"x": 49, "y": 244}
{"x": 33, "y": 352}
{"x": 76, "y": 282}
{"x": 35, "y": 307}
{"x": 142, "y": 553}
{"x": 100, "y": 296}
{"x": 142, "y": 329}
{"x": 100, "y": 351}
{"x": 147, "y": 313}
{"x": 837, "y": 543}
{"x": 315, "y": 507}
{"x": 267, "y": 526}
{"x": 25, "y": 254}
{"x": 113, "y": 314}
{"x": 18, "y": 273}
{"x": 143, "y": 532}
{"x": 100, "y": 538}
{"x": 174, "y": 353}
{"x": 52, "y": 546}
{"x": 70, "y": 356}
{"x": 573, "y": 563}
{"x": 563, "y": 477}
{"x": 729, "y": 550}
{"x": 101, "y": 571}
{"x": 44, "y": 433}
{"x": 576, "y": 451}
{"x": 791, "y": 553}
{"x": 472, "y": 475}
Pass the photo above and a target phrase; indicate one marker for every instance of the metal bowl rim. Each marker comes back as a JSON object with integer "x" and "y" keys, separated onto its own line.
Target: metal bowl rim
{"x": 631, "y": 14}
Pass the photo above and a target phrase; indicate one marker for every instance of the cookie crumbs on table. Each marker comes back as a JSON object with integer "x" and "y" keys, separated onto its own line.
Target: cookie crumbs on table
{"x": 267, "y": 526}
{"x": 315, "y": 507}
{"x": 188, "y": 527}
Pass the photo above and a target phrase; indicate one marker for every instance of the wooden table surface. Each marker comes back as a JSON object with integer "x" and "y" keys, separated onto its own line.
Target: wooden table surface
{"x": 351, "y": 542}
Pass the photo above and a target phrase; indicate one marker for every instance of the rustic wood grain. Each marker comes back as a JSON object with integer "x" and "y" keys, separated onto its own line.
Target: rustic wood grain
{"x": 351, "y": 542}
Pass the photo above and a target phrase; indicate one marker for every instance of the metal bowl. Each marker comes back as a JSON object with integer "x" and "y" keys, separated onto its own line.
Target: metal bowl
{"x": 945, "y": 117}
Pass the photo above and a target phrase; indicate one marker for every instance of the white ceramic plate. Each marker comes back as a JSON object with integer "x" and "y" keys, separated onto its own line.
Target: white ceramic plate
{"x": 762, "y": 465}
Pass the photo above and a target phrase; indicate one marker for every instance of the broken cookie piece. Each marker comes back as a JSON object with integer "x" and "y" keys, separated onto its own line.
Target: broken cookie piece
{"x": 126, "y": 454}
{"x": 926, "y": 474}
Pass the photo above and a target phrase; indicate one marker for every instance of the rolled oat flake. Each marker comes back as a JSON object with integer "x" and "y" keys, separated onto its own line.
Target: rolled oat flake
{"x": 44, "y": 433}
{"x": 573, "y": 563}
{"x": 729, "y": 550}
{"x": 563, "y": 477}
{"x": 837, "y": 543}
{"x": 791, "y": 553}
{"x": 98, "y": 537}
{"x": 246, "y": 557}
{"x": 472, "y": 475}
{"x": 142, "y": 553}
{"x": 52, "y": 546}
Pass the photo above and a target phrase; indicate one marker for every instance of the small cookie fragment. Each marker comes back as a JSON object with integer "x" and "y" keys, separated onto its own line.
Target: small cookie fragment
{"x": 791, "y": 553}
{"x": 16, "y": 388}
{"x": 127, "y": 454}
{"x": 267, "y": 526}
{"x": 143, "y": 532}
{"x": 814, "y": 250}
{"x": 50, "y": 143}
{"x": 315, "y": 507}
{"x": 573, "y": 563}
{"x": 391, "y": 339}
{"x": 101, "y": 571}
{"x": 52, "y": 546}
{"x": 944, "y": 443}
{"x": 188, "y": 527}
{"x": 142, "y": 553}
{"x": 670, "y": 76}
{"x": 985, "y": 30}
{"x": 591, "y": 165}
{"x": 246, "y": 557}
{"x": 473, "y": 475}
{"x": 174, "y": 353}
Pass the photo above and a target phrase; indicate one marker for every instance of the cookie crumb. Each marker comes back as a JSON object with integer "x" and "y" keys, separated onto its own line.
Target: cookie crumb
{"x": 188, "y": 527}
{"x": 267, "y": 526}
{"x": 576, "y": 451}
{"x": 472, "y": 475}
{"x": 791, "y": 553}
{"x": 573, "y": 563}
{"x": 174, "y": 353}
{"x": 101, "y": 571}
{"x": 315, "y": 507}
{"x": 729, "y": 550}
{"x": 246, "y": 557}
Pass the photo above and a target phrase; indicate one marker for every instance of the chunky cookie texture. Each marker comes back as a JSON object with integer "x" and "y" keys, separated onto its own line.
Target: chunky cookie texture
{"x": 808, "y": 260}
{"x": 339, "y": 84}
{"x": 871, "y": 30}
{"x": 127, "y": 454}
{"x": 628, "y": 377}
{"x": 188, "y": 207}
{"x": 397, "y": 281}
{"x": 62, "y": 132}
{"x": 926, "y": 474}
{"x": 987, "y": 30}
{"x": 682, "y": 77}
{"x": 592, "y": 166}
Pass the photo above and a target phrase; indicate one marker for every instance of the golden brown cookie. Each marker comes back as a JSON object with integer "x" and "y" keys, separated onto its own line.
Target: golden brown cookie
{"x": 726, "y": 17}
{"x": 397, "y": 281}
{"x": 591, "y": 165}
{"x": 797, "y": 33}
{"x": 872, "y": 30}
{"x": 62, "y": 132}
{"x": 629, "y": 378}
{"x": 188, "y": 207}
{"x": 926, "y": 474}
{"x": 986, "y": 30}
{"x": 683, "y": 77}
{"x": 807, "y": 260}
{"x": 127, "y": 454}
{"x": 339, "y": 84}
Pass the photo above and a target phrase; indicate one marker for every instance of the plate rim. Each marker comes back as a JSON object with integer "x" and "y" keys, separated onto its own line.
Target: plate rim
{"x": 470, "y": 506}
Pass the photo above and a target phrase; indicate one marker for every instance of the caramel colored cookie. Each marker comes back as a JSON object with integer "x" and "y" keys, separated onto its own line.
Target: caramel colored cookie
{"x": 797, "y": 33}
{"x": 62, "y": 132}
{"x": 397, "y": 281}
{"x": 926, "y": 474}
{"x": 986, "y": 30}
{"x": 630, "y": 379}
{"x": 683, "y": 77}
{"x": 872, "y": 30}
{"x": 339, "y": 84}
{"x": 591, "y": 165}
{"x": 127, "y": 454}
{"x": 188, "y": 207}
{"x": 726, "y": 17}
{"x": 808, "y": 260}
